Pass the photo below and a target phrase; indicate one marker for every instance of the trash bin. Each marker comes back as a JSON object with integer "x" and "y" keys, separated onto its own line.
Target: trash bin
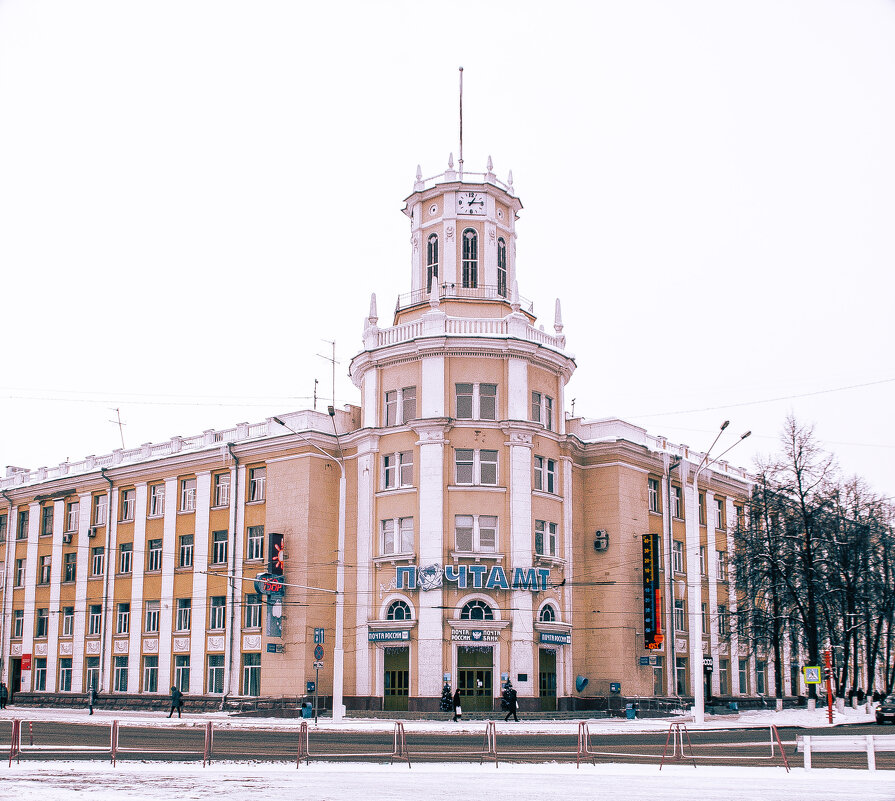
{"x": 630, "y": 711}
{"x": 733, "y": 706}
{"x": 307, "y": 710}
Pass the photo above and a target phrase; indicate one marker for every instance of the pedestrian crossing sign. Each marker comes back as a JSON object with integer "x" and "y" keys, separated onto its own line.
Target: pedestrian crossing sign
{"x": 812, "y": 674}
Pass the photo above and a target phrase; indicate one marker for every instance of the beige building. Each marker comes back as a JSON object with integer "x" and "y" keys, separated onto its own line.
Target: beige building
{"x": 457, "y": 527}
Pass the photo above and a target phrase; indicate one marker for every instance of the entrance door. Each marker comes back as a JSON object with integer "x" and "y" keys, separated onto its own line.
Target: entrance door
{"x": 397, "y": 679}
{"x": 15, "y": 677}
{"x": 474, "y": 679}
{"x": 547, "y": 680}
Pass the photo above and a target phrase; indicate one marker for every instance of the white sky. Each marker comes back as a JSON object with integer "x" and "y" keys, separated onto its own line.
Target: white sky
{"x": 193, "y": 195}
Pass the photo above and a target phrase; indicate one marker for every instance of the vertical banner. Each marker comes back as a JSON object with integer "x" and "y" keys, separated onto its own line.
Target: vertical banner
{"x": 652, "y": 630}
{"x": 275, "y": 554}
{"x": 274, "y": 615}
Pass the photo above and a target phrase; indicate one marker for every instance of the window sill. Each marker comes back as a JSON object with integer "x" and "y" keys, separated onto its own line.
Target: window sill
{"x": 555, "y": 496}
{"x": 477, "y": 555}
{"x": 553, "y": 561}
{"x": 219, "y": 506}
{"x": 186, "y": 511}
{"x": 159, "y": 516}
{"x": 406, "y": 490}
{"x": 256, "y": 503}
{"x": 476, "y": 488}
{"x": 394, "y": 558}
{"x": 655, "y": 512}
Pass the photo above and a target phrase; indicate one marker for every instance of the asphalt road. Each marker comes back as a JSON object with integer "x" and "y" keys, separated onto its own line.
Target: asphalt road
{"x": 748, "y": 747}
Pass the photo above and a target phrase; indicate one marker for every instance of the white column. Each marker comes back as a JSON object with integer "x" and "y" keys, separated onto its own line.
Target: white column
{"x": 199, "y": 622}
{"x": 433, "y": 394}
{"x": 82, "y": 567}
{"x": 55, "y": 591}
{"x": 138, "y": 565}
{"x": 30, "y": 592}
{"x": 238, "y": 498}
{"x": 448, "y": 266}
{"x": 168, "y": 604}
{"x": 489, "y": 246}
{"x": 370, "y": 401}
{"x": 517, "y": 389}
{"x": 522, "y": 651}
{"x": 565, "y": 652}
{"x": 107, "y": 665}
{"x": 732, "y": 604}
{"x": 8, "y": 568}
{"x": 711, "y": 570}
{"x": 367, "y": 454}
{"x": 694, "y": 591}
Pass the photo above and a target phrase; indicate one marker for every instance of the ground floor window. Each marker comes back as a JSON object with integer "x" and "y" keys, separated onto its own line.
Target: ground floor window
{"x": 659, "y": 676}
{"x": 150, "y": 674}
{"x": 722, "y": 676}
{"x": 92, "y": 674}
{"x": 251, "y": 674}
{"x": 216, "y": 673}
{"x": 182, "y": 673}
{"x": 744, "y": 677}
{"x": 40, "y": 674}
{"x": 680, "y": 665}
{"x": 65, "y": 675}
{"x": 761, "y": 678}
{"x": 120, "y": 674}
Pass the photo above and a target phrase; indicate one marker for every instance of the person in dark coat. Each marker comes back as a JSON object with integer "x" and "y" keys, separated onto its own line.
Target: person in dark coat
{"x": 458, "y": 711}
{"x": 91, "y": 699}
{"x": 509, "y": 698}
{"x": 4, "y": 695}
{"x": 176, "y": 702}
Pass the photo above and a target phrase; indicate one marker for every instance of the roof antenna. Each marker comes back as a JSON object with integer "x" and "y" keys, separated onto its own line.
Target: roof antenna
{"x": 461, "y": 123}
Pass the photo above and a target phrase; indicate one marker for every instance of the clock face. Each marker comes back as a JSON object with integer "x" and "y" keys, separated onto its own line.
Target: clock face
{"x": 470, "y": 203}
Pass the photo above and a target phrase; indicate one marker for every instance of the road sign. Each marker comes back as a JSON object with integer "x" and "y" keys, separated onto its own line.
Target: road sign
{"x": 318, "y": 652}
{"x": 812, "y": 674}
{"x": 319, "y": 635}
{"x": 318, "y": 666}
{"x": 312, "y": 686}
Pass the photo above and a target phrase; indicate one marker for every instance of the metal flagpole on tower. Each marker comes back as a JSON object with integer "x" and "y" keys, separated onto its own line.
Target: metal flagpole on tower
{"x": 461, "y": 123}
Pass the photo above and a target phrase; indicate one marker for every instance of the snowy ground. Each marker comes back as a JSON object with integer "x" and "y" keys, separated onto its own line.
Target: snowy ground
{"x": 64, "y": 781}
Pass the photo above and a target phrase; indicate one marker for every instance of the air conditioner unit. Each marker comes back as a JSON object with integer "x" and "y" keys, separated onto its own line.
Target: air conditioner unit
{"x": 91, "y": 532}
{"x": 601, "y": 540}
{"x": 66, "y": 537}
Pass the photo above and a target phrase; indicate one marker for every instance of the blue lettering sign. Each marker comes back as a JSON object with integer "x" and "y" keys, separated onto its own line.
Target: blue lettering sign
{"x": 408, "y": 573}
{"x": 544, "y": 573}
{"x": 456, "y": 573}
{"x": 478, "y": 574}
{"x": 497, "y": 579}
{"x": 525, "y": 579}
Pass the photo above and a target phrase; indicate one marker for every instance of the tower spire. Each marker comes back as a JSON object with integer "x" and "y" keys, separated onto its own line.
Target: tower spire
{"x": 461, "y": 124}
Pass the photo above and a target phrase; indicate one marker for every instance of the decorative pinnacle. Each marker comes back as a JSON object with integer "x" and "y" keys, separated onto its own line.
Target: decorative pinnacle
{"x": 510, "y": 181}
{"x": 419, "y": 173}
{"x": 451, "y": 161}
{"x": 374, "y": 317}
{"x": 557, "y": 321}
{"x": 490, "y": 164}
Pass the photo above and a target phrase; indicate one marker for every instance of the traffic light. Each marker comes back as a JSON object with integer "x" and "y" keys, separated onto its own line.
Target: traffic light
{"x": 275, "y": 554}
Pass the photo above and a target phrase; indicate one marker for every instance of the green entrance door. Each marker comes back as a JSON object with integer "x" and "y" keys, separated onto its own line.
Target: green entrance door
{"x": 397, "y": 679}
{"x": 474, "y": 678}
{"x": 547, "y": 680}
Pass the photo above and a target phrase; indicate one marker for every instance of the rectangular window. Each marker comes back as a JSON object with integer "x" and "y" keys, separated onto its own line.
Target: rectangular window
{"x": 680, "y": 670}
{"x": 184, "y": 607}
{"x": 154, "y": 556}
{"x": 654, "y": 495}
{"x": 487, "y": 533}
{"x": 150, "y": 674}
{"x": 545, "y": 538}
{"x": 397, "y": 536}
{"x": 69, "y": 566}
{"x": 705, "y": 619}
{"x": 760, "y": 677}
{"x": 216, "y": 673}
{"x": 45, "y": 569}
{"x": 100, "y": 510}
{"x": 255, "y": 543}
{"x": 187, "y": 495}
{"x": 257, "y": 481}
{"x": 18, "y": 623}
{"x": 545, "y": 474}
{"x": 46, "y": 521}
{"x": 156, "y": 500}
{"x": 182, "y": 673}
{"x": 702, "y": 560}
{"x": 464, "y": 460}
{"x": 186, "y": 550}
{"x": 476, "y": 401}
{"x": 222, "y": 489}
{"x": 253, "y": 611}
{"x": 125, "y": 557}
{"x": 677, "y": 556}
{"x": 3, "y": 524}
{"x": 738, "y": 510}
{"x": 536, "y": 398}
{"x": 98, "y": 561}
{"x": 152, "y": 613}
{"x": 95, "y": 620}
{"x": 68, "y": 621}
{"x": 677, "y": 503}
{"x": 123, "y": 620}
{"x": 20, "y": 573}
{"x": 120, "y": 685}
{"x": 251, "y": 674}
{"x": 128, "y": 502}
{"x": 701, "y": 508}
{"x": 72, "y": 516}
{"x": 724, "y": 665}
{"x": 42, "y": 624}
{"x": 488, "y": 468}
{"x": 408, "y": 404}
{"x": 92, "y": 672}
{"x": 65, "y": 674}
{"x": 475, "y": 467}
{"x": 464, "y": 401}
{"x": 722, "y": 565}
{"x": 397, "y": 469}
{"x": 391, "y": 408}
{"x": 400, "y": 406}
{"x": 744, "y": 677}
{"x": 40, "y": 674}
{"x": 219, "y": 547}
{"x": 216, "y": 612}
{"x": 720, "y": 516}
{"x": 475, "y": 533}
{"x": 22, "y": 530}
{"x": 548, "y": 413}
{"x": 659, "y": 677}
{"x": 487, "y": 401}
{"x": 722, "y": 620}
{"x": 680, "y": 618}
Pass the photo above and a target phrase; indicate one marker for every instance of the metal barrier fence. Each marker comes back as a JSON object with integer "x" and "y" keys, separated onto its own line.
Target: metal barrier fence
{"x": 677, "y": 733}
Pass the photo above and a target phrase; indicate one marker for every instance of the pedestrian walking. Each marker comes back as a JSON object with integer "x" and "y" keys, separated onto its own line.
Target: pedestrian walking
{"x": 176, "y": 702}
{"x": 458, "y": 711}
{"x": 91, "y": 699}
{"x": 4, "y": 695}
{"x": 510, "y": 703}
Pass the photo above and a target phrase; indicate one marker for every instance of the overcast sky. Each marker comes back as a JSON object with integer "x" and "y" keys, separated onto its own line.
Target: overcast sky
{"x": 195, "y": 195}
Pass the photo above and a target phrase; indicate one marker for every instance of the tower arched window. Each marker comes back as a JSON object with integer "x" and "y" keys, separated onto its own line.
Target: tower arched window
{"x": 470, "y": 259}
{"x": 431, "y": 262}
{"x": 398, "y": 610}
{"x": 548, "y": 614}
{"x": 476, "y": 610}
{"x": 501, "y": 267}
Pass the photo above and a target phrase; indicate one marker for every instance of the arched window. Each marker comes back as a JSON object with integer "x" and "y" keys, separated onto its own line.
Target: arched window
{"x": 501, "y": 267}
{"x": 476, "y": 610}
{"x": 432, "y": 262}
{"x": 548, "y": 614}
{"x": 398, "y": 610}
{"x": 470, "y": 259}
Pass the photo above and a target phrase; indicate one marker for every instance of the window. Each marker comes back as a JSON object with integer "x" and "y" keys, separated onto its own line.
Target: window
{"x": 760, "y": 676}
{"x": 222, "y": 489}
{"x": 150, "y": 674}
{"x": 154, "y": 555}
{"x": 156, "y": 500}
{"x": 702, "y": 560}
{"x": 72, "y": 515}
{"x": 659, "y": 676}
{"x": 20, "y": 573}
{"x": 219, "y": 547}
{"x": 431, "y": 261}
{"x": 501, "y": 267}
{"x": 45, "y": 568}
{"x": 98, "y": 561}
{"x": 152, "y": 613}
{"x": 257, "y": 481}
{"x": 400, "y": 406}
{"x": 475, "y": 467}
{"x": 100, "y": 509}
{"x": 654, "y": 496}
{"x": 677, "y": 556}
{"x": 253, "y": 611}
{"x": 470, "y": 259}
{"x": 705, "y": 619}
{"x": 18, "y": 623}
{"x": 545, "y": 538}
{"x": 186, "y": 550}
{"x": 680, "y": 618}
{"x": 46, "y": 521}
{"x": 724, "y": 668}
{"x": 187, "y": 495}
{"x": 744, "y": 676}
{"x": 182, "y": 673}
{"x": 548, "y": 614}
{"x": 677, "y": 503}
{"x": 476, "y": 401}
{"x": 65, "y": 674}
{"x": 255, "y": 542}
{"x": 95, "y": 619}
{"x": 68, "y": 621}
{"x": 3, "y": 519}
{"x": 92, "y": 672}
{"x": 216, "y": 673}
{"x": 125, "y": 557}
{"x": 680, "y": 670}
{"x": 128, "y": 504}
{"x": 184, "y": 607}
{"x": 720, "y": 516}
{"x": 123, "y": 620}
{"x": 398, "y": 610}
{"x": 120, "y": 685}
{"x": 40, "y": 674}
{"x": 545, "y": 474}
{"x": 397, "y": 536}
{"x": 251, "y": 674}
{"x": 542, "y": 409}
{"x": 42, "y": 623}
{"x": 740, "y": 516}
{"x": 701, "y": 508}
{"x": 475, "y": 533}
{"x": 22, "y": 530}
{"x": 397, "y": 469}
{"x": 722, "y": 565}
{"x": 722, "y": 620}
{"x": 476, "y": 610}
{"x": 216, "y": 612}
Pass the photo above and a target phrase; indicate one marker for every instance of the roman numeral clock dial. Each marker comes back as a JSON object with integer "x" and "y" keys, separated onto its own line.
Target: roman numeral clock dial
{"x": 471, "y": 203}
